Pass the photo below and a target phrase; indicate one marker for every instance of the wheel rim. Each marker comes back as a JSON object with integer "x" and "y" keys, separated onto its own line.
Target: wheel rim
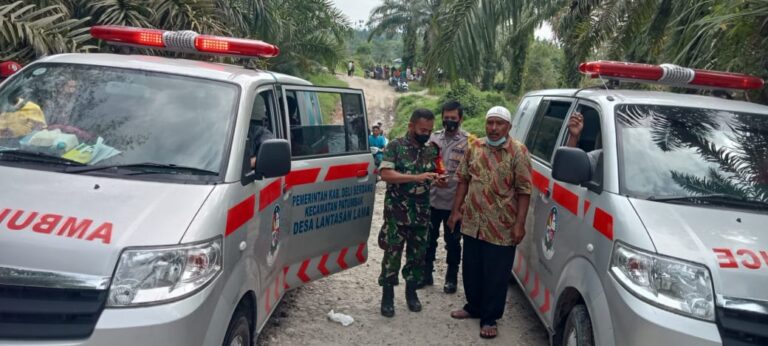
{"x": 237, "y": 341}
{"x": 572, "y": 338}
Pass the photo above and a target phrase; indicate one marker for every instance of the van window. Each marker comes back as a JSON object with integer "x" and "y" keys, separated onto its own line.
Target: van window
{"x": 542, "y": 138}
{"x": 261, "y": 126}
{"x": 588, "y": 138}
{"x": 326, "y": 123}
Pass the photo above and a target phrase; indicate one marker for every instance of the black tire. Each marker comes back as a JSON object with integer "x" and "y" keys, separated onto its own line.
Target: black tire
{"x": 578, "y": 328}
{"x": 239, "y": 330}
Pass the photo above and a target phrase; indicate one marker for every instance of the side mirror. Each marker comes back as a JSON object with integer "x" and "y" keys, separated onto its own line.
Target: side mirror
{"x": 273, "y": 160}
{"x": 571, "y": 165}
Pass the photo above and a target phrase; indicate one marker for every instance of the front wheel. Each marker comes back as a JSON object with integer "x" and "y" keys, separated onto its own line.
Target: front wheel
{"x": 578, "y": 328}
{"x": 239, "y": 330}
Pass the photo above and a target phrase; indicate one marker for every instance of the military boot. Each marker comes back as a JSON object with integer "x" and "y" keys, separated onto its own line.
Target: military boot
{"x": 451, "y": 280}
{"x": 411, "y": 297}
{"x": 388, "y": 301}
{"x": 427, "y": 280}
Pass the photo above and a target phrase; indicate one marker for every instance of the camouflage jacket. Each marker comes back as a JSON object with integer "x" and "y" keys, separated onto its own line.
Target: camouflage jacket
{"x": 406, "y": 157}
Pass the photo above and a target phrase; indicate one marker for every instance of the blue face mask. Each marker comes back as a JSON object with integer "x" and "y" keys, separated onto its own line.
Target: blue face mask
{"x": 496, "y": 143}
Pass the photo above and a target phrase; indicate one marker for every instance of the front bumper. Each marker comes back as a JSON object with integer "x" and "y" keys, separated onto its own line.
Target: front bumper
{"x": 184, "y": 322}
{"x": 636, "y": 322}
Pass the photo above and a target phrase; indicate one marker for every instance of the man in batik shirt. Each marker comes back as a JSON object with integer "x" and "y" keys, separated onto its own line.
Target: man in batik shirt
{"x": 494, "y": 192}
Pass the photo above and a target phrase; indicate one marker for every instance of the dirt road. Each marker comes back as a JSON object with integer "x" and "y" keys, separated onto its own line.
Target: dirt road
{"x": 301, "y": 317}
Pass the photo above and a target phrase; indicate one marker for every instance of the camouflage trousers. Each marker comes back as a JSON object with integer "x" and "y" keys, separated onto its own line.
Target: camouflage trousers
{"x": 393, "y": 238}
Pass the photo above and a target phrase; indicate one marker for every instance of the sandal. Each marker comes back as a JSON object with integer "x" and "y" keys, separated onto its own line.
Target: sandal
{"x": 489, "y": 332}
{"x": 460, "y": 314}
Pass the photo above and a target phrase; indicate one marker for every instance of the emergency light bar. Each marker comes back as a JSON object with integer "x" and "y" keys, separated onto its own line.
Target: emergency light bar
{"x": 184, "y": 41}
{"x": 669, "y": 74}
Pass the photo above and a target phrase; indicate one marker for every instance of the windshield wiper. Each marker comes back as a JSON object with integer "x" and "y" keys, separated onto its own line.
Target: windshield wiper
{"x": 146, "y": 168}
{"x": 714, "y": 198}
{"x": 19, "y": 155}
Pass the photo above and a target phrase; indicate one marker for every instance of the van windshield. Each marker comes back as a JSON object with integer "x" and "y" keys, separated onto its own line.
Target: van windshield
{"x": 668, "y": 151}
{"x": 102, "y": 116}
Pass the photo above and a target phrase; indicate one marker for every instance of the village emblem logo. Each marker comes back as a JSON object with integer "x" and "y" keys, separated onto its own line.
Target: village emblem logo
{"x": 548, "y": 243}
{"x": 274, "y": 245}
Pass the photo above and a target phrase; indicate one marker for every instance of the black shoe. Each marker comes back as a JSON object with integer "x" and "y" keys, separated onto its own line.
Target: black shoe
{"x": 388, "y": 302}
{"x": 427, "y": 280}
{"x": 449, "y": 287}
{"x": 411, "y": 298}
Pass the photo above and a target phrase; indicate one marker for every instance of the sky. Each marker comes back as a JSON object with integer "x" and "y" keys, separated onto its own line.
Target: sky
{"x": 358, "y": 10}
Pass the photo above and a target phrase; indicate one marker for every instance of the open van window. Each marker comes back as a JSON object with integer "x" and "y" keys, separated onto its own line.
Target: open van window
{"x": 671, "y": 151}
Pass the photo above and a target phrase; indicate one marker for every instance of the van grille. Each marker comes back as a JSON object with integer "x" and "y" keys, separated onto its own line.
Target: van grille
{"x": 739, "y": 327}
{"x": 49, "y": 313}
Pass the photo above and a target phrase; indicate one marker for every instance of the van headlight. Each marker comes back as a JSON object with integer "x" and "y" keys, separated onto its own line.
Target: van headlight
{"x": 157, "y": 275}
{"x": 671, "y": 284}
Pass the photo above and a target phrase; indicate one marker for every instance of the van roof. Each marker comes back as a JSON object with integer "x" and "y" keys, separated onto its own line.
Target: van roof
{"x": 656, "y": 98}
{"x": 192, "y": 68}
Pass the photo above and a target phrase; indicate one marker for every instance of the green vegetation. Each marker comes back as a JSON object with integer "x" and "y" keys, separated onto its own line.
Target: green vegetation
{"x": 326, "y": 79}
{"x": 490, "y": 44}
{"x": 475, "y": 102}
{"x": 310, "y": 33}
{"x": 329, "y": 103}
{"x": 405, "y": 106}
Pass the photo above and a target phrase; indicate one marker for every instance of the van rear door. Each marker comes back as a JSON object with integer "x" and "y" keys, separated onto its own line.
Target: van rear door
{"x": 330, "y": 189}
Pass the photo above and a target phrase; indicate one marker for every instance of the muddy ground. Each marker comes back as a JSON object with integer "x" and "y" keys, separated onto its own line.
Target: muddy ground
{"x": 301, "y": 317}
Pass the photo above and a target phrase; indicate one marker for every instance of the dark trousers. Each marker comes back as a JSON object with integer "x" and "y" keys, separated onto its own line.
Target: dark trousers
{"x": 486, "y": 272}
{"x": 452, "y": 243}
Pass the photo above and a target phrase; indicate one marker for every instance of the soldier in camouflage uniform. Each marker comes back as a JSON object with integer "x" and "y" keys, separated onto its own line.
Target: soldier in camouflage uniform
{"x": 408, "y": 168}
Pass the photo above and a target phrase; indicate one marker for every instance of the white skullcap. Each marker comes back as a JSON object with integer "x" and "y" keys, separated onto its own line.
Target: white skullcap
{"x": 499, "y": 112}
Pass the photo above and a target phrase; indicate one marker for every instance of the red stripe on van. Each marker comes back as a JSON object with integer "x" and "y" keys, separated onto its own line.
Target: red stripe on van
{"x": 285, "y": 279}
{"x": 603, "y": 223}
{"x": 360, "y": 257}
{"x": 540, "y": 181}
{"x": 544, "y": 308}
{"x": 566, "y": 198}
{"x": 345, "y": 171}
{"x": 341, "y": 260}
{"x": 240, "y": 214}
{"x": 302, "y": 274}
{"x": 536, "y": 284}
{"x": 301, "y": 177}
{"x": 527, "y": 275}
{"x": 269, "y": 194}
{"x": 587, "y": 203}
{"x": 321, "y": 266}
{"x": 267, "y": 298}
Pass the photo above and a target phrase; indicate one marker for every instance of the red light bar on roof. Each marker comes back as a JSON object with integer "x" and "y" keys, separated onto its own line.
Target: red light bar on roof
{"x": 184, "y": 41}
{"x": 669, "y": 74}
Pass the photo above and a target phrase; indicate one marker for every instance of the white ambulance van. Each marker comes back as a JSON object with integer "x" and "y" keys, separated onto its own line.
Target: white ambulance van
{"x": 157, "y": 201}
{"x": 648, "y": 220}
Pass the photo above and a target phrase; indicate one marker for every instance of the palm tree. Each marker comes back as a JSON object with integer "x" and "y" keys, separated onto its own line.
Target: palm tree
{"x": 473, "y": 33}
{"x": 310, "y": 33}
{"x": 28, "y": 31}
{"x": 411, "y": 18}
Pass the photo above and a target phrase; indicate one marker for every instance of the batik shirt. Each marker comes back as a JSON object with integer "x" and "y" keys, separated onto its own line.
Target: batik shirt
{"x": 496, "y": 176}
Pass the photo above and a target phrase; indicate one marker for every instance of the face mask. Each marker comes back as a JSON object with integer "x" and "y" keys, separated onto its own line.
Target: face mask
{"x": 498, "y": 142}
{"x": 422, "y": 139}
{"x": 450, "y": 125}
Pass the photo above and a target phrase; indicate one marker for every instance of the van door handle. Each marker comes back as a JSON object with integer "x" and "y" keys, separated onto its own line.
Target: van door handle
{"x": 544, "y": 196}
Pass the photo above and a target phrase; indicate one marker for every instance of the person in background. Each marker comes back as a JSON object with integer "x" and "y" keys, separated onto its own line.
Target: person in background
{"x": 492, "y": 203}
{"x": 408, "y": 167}
{"x": 376, "y": 139}
{"x": 452, "y": 143}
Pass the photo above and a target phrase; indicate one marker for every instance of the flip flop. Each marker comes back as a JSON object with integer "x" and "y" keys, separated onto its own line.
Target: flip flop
{"x": 460, "y": 314}
{"x": 489, "y": 332}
